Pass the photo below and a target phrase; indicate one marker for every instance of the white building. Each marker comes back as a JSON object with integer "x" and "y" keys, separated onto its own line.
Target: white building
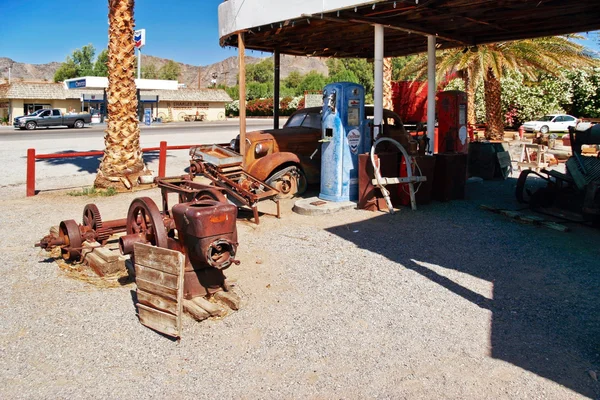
{"x": 87, "y": 94}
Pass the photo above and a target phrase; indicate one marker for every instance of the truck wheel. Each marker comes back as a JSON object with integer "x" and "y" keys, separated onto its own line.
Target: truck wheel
{"x": 290, "y": 182}
{"x": 30, "y": 125}
{"x": 78, "y": 124}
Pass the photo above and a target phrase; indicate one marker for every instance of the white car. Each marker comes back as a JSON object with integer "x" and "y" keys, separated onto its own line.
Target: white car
{"x": 551, "y": 123}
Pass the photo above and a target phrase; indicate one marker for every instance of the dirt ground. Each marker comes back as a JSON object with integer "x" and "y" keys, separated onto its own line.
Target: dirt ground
{"x": 449, "y": 301}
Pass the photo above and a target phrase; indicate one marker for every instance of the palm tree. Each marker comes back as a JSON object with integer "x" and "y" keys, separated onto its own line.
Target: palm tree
{"x": 387, "y": 83}
{"x": 122, "y": 162}
{"x": 488, "y": 63}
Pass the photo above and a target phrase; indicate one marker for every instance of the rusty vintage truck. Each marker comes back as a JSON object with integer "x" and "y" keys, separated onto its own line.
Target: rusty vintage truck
{"x": 290, "y": 158}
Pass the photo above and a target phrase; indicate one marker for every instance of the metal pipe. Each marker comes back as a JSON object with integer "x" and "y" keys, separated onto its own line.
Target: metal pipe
{"x": 30, "y": 172}
{"x": 126, "y": 242}
{"x": 431, "y": 86}
{"x": 162, "y": 160}
{"x": 378, "y": 88}
{"x": 139, "y": 66}
{"x": 32, "y": 157}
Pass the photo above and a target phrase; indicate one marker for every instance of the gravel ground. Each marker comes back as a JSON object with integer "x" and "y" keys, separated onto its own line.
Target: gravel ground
{"x": 446, "y": 302}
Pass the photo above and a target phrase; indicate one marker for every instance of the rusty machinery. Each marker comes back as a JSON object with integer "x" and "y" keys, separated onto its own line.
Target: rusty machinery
{"x": 71, "y": 235}
{"x": 574, "y": 195}
{"x": 202, "y": 226}
{"x": 223, "y": 167}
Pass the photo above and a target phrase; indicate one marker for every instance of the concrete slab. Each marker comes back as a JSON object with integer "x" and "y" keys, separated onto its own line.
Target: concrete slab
{"x": 316, "y": 206}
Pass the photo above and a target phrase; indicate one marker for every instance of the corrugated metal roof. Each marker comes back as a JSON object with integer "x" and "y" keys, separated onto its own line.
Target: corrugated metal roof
{"x": 57, "y": 91}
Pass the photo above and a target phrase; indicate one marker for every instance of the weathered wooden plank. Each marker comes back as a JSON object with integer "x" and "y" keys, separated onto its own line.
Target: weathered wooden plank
{"x": 158, "y": 302}
{"x": 557, "y": 227}
{"x": 158, "y": 290}
{"x": 213, "y": 309}
{"x": 231, "y": 299}
{"x": 197, "y": 312}
{"x": 159, "y": 279}
{"x": 159, "y": 321}
{"x": 157, "y": 258}
{"x": 155, "y": 276}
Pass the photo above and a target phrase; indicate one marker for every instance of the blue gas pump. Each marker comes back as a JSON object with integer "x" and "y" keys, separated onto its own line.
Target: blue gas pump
{"x": 344, "y": 137}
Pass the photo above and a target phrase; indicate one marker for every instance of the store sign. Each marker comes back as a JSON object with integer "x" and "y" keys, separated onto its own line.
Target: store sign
{"x": 313, "y": 100}
{"x": 190, "y": 104}
{"x": 78, "y": 83}
{"x": 139, "y": 38}
{"x": 4, "y": 105}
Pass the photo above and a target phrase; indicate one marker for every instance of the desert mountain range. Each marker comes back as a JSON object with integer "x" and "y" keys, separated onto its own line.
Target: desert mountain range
{"x": 227, "y": 69}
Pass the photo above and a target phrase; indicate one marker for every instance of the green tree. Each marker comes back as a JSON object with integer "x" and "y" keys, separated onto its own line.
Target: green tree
{"x": 585, "y": 85}
{"x": 84, "y": 59}
{"x": 232, "y": 91}
{"x": 398, "y": 64}
{"x": 293, "y": 80}
{"x": 67, "y": 70}
{"x": 257, "y": 90}
{"x": 100, "y": 66}
{"x": 149, "y": 72}
{"x": 360, "y": 68}
{"x": 170, "y": 71}
{"x": 488, "y": 63}
{"x": 261, "y": 72}
{"x": 81, "y": 63}
{"x": 343, "y": 76}
{"x": 312, "y": 81}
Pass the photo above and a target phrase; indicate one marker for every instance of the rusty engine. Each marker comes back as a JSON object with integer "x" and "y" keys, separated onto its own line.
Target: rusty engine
{"x": 202, "y": 227}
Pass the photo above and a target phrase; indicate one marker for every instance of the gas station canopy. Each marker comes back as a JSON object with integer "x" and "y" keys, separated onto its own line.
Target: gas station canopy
{"x": 343, "y": 28}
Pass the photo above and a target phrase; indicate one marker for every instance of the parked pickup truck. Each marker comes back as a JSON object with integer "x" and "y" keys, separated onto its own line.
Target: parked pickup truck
{"x": 51, "y": 117}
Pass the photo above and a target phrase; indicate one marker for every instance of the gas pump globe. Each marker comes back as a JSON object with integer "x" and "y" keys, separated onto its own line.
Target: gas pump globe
{"x": 344, "y": 137}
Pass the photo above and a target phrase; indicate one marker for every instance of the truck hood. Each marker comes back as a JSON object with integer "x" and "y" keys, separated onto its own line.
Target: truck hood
{"x": 265, "y": 133}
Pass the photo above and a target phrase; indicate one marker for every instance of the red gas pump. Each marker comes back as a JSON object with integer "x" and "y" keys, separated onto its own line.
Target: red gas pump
{"x": 450, "y": 175}
{"x": 452, "y": 122}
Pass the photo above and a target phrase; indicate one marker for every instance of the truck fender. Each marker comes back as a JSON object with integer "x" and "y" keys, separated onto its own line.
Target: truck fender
{"x": 266, "y": 165}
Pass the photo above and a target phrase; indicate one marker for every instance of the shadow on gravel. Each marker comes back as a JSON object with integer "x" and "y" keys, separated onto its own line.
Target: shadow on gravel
{"x": 90, "y": 164}
{"x": 545, "y": 283}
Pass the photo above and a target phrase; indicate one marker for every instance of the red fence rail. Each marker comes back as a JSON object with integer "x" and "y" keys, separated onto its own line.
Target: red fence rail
{"x": 32, "y": 157}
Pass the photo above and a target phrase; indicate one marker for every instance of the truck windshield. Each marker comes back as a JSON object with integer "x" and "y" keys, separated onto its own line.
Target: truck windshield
{"x": 305, "y": 120}
{"x": 35, "y": 112}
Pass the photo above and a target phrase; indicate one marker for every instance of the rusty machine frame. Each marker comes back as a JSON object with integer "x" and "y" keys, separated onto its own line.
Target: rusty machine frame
{"x": 574, "y": 195}
{"x": 223, "y": 167}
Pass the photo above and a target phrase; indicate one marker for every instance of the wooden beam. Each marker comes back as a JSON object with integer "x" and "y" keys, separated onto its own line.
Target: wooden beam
{"x": 400, "y": 26}
{"x": 242, "y": 65}
{"x": 276, "y": 77}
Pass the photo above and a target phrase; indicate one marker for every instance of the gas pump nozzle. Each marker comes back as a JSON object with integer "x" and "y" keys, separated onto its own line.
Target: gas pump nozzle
{"x": 330, "y": 100}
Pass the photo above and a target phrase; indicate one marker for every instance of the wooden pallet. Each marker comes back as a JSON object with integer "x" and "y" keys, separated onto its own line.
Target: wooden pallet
{"x": 526, "y": 218}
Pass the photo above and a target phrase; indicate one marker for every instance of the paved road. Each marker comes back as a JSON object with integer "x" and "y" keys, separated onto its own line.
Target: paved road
{"x": 78, "y": 172}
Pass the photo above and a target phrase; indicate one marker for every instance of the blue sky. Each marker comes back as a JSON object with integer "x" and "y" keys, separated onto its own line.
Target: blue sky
{"x": 39, "y": 32}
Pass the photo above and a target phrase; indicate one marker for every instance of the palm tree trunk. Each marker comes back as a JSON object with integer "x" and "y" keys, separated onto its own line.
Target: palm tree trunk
{"x": 122, "y": 162}
{"x": 493, "y": 107}
{"x": 387, "y": 84}
{"x": 470, "y": 90}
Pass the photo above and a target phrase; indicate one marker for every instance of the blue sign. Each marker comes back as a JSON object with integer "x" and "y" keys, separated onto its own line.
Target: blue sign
{"x": 79, "y": 83}
{"x": 148, "y": 116}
